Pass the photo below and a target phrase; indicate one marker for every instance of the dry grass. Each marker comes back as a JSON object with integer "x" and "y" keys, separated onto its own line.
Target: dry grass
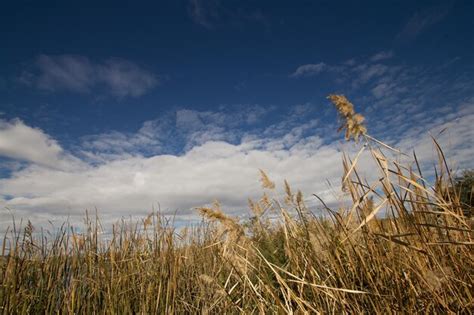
{"x": 415, "y": 258}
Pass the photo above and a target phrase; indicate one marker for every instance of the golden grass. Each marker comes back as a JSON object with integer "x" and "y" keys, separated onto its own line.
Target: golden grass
{"x": 416, "y": 258}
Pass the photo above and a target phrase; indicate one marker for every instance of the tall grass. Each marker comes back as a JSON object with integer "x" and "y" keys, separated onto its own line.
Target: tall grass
{"x": 402, "y": 245}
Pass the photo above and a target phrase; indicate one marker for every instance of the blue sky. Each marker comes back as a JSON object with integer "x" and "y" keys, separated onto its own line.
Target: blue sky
{"x": 126, "y": 106}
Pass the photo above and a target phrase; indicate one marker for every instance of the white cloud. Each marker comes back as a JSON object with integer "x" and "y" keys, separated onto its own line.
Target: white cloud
{"x": 78, "y": 74}
{"x": 21, "y": 142}
{"x": 213, "y": 170}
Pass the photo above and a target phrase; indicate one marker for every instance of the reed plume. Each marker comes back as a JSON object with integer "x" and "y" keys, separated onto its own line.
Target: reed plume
{"x": 352, "y": 122}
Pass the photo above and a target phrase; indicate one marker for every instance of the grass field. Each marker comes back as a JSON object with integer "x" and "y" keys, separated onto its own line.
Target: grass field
{"x": 416, "y": 257}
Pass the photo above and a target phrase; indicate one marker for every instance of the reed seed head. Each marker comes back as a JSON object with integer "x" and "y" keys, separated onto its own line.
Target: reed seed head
{"x": 352, "y": 122}
{"x": 265, "y": 180}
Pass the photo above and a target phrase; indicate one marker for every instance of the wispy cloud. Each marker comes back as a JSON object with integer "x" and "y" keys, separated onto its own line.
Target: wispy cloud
{"x": 396, "y": 97}
{"x": 211, "y": 13}
{"x": 117, "y": 77}
{"x": 358, "y": 73}
{"x": 391, "y": 85}
{"x": 124, "y": 78}
{"x": 422, "y": 20}
{"x": 175, "y": 132}
{"x": 204, "y": 12}
{"x": 383, "y": 55}
{"x": 309, "y": 70}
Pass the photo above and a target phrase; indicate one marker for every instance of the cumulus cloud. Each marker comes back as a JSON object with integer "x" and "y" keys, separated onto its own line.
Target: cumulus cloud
{"x": 118, "y": 77}
{"x": 133, "y": 184}
{"x": 212, "y": 170}
{"x": 22, "y": 142}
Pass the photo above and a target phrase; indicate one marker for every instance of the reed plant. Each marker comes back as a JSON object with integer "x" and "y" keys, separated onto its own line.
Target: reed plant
{"x": 403, "y": 244}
